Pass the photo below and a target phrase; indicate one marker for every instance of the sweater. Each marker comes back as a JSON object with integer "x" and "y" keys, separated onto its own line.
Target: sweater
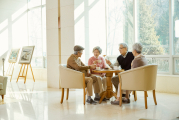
{"x": 125, "y": 62}
{"x": 139, "y": 61}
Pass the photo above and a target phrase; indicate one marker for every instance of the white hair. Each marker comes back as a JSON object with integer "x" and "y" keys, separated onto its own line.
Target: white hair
{"x": 97, "y": 48}
{"x": 138, "y": 47}
{"x": 124, "y": 45}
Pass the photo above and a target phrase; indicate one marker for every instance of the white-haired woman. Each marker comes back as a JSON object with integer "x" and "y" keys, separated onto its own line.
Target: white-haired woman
{"x": 139, "y": 60}
{"x": 100, "y": 62}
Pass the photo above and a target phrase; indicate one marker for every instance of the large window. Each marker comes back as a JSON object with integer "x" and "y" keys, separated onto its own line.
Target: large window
{"x": 119, "y": 24}
{"x": 37, "y": 31}
{"x": 150, "y": 22}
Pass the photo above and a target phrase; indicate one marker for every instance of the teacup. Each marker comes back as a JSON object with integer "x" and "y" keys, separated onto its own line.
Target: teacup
{"x": 97, "y": 68}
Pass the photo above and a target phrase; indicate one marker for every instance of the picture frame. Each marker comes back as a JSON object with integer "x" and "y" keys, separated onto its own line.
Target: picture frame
{"x": 26, "y": 55}
{"x": 13, "y": 55}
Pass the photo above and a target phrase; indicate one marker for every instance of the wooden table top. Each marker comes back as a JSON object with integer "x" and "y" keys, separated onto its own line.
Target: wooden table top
{"x": 107, "y": 71}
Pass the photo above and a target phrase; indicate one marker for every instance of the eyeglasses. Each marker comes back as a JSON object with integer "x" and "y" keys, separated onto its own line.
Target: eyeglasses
{"x": 120, "y": 48}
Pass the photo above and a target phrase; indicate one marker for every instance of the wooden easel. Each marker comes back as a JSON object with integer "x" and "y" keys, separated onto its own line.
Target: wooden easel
{"x": 10, "y": 70}
{"x": 24, "y": 68}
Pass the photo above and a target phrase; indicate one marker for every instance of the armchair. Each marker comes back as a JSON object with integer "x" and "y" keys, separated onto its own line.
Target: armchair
{"x": 3, "y": 84}
{"x": 139, "y": 79}
{"x": 71, "y": 79}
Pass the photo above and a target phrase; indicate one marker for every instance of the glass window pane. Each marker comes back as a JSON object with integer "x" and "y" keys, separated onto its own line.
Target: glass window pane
{"x": 37, "y": 62}
{"x": 153, "y": 26}
{"x": 176, "y": 17}
{"x": 43, "y": 2}
{"x": 35, "y": 33}
{"x": 44, "y": 29}
{"x": 163, "y": 64}
{"x": 119, "y": 24}
{"x": 34, "y": 3}
{"x": 176, "y": 65}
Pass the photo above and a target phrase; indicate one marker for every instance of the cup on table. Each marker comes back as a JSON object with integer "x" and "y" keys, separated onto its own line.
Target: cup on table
{"x": 97, "y": 68}
{"x": 116, "y": 68}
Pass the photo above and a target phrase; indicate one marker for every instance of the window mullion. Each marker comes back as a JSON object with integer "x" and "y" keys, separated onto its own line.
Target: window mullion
{"x": 171, "y": 61}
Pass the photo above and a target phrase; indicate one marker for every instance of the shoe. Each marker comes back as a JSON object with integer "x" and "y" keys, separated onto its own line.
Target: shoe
{"x": 126, "y": 100}
{"x": 115, "y": 102}
{"x": 124, "y": 95}
{"x": 98, "y": 99}
{"x": 91, "y": 101}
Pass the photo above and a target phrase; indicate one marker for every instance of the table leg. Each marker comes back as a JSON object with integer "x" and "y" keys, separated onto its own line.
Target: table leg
{"x": 109, "y": 92}
{"x": 114, "y": 94}
{"x": 102, "y": 97}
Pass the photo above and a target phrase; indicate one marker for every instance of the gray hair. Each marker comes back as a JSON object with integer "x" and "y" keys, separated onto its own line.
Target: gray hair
{"x": 124, "y": 45}
{"x": 97, "y": 48}
{"x": 76, "y": 52}
{"x": 138, "y": 47}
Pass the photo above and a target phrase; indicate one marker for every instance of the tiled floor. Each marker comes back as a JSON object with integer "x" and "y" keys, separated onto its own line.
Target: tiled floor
{"x": 34, "y": 101}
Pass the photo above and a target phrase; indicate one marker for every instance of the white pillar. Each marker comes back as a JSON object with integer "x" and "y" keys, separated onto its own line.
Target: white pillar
{"x": 60, "y": 41}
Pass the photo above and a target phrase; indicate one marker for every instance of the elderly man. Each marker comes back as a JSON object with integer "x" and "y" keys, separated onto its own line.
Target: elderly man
{"x": 75, "y": 63}
{"x": 124, "y": 60}
{"x": 138, "y": 61}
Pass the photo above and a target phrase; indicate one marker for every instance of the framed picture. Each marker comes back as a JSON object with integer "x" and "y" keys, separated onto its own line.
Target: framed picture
{"x": 13, "y": 55}
{"x": 26, "y": 55}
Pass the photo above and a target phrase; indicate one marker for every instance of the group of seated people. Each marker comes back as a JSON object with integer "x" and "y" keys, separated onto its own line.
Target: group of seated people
{"x": 127, "y": 60}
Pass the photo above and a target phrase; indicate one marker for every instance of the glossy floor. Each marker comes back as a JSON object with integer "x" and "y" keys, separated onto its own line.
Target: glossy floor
{"x": 34, "y": 101}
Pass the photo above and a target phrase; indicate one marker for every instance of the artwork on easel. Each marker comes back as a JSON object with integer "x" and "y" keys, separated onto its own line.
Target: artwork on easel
{"x": 26, "y": 55}
{"x": 13, "y": 56}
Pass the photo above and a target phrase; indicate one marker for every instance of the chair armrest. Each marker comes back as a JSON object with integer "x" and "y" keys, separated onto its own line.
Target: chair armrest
{"x": 70, "y": 78}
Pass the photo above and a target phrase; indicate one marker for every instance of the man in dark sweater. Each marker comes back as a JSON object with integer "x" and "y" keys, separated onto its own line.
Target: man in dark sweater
{"x": 124, "y": 60}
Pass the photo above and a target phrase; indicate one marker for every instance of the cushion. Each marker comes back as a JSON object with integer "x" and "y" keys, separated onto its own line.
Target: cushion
{"x": 1, "y": 86}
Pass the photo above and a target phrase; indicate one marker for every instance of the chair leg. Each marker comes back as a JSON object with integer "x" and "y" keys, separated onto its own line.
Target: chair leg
{"x": 154, "y": 96}
{"x": 62, "y": 95}
{"x": 2, "y": 96}
{"x": 145, "y": 97}
{"x": 135, "y": 95}
{"x": 84, "y": 96}
{"x": 67, "y": 93}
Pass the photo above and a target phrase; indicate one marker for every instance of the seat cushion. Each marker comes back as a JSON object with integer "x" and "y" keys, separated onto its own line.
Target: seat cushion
{"x": 1, "y": 86}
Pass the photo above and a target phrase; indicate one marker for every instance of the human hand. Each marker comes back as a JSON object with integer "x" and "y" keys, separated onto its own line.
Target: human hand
{"x": 108, "y": 62}
{"x": 95, "y": 62}
{"x": 93, "y": 66}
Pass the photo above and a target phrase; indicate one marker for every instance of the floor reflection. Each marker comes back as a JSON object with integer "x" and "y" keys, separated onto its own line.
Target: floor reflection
{"x": 34, "y": 101}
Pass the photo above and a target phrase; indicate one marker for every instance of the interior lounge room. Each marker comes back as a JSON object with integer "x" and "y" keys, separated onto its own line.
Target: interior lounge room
{"x": 89, "y": 59}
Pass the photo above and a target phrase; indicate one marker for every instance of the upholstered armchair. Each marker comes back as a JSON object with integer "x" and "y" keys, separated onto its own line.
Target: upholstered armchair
{"x": 3, "y": 84}
{"x": 71, "y": 79}
{"x": 139, "y": 79}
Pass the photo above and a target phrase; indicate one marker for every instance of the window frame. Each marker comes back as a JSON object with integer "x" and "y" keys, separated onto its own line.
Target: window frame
{"x": 171, "y": 57}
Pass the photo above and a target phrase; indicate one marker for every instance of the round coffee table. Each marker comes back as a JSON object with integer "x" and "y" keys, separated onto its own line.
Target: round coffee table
{"x": 109, "y": 92}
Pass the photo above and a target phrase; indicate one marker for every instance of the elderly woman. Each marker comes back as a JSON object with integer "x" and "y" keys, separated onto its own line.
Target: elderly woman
{"x": 138, "y": 61}
{"x": 99, "y": 61}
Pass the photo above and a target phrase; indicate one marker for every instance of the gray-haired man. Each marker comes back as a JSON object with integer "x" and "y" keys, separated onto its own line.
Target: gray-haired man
{"x": 124, "y": 60}
{"x": 75, "y": 63}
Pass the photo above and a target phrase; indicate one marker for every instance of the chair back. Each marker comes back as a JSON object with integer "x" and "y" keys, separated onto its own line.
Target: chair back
{"x": 70, "y": 78}
{"x": 140, "y": 79}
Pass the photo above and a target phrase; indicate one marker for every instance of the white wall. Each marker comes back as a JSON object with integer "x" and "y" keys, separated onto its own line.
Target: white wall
{"x": 53, "y": 44}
